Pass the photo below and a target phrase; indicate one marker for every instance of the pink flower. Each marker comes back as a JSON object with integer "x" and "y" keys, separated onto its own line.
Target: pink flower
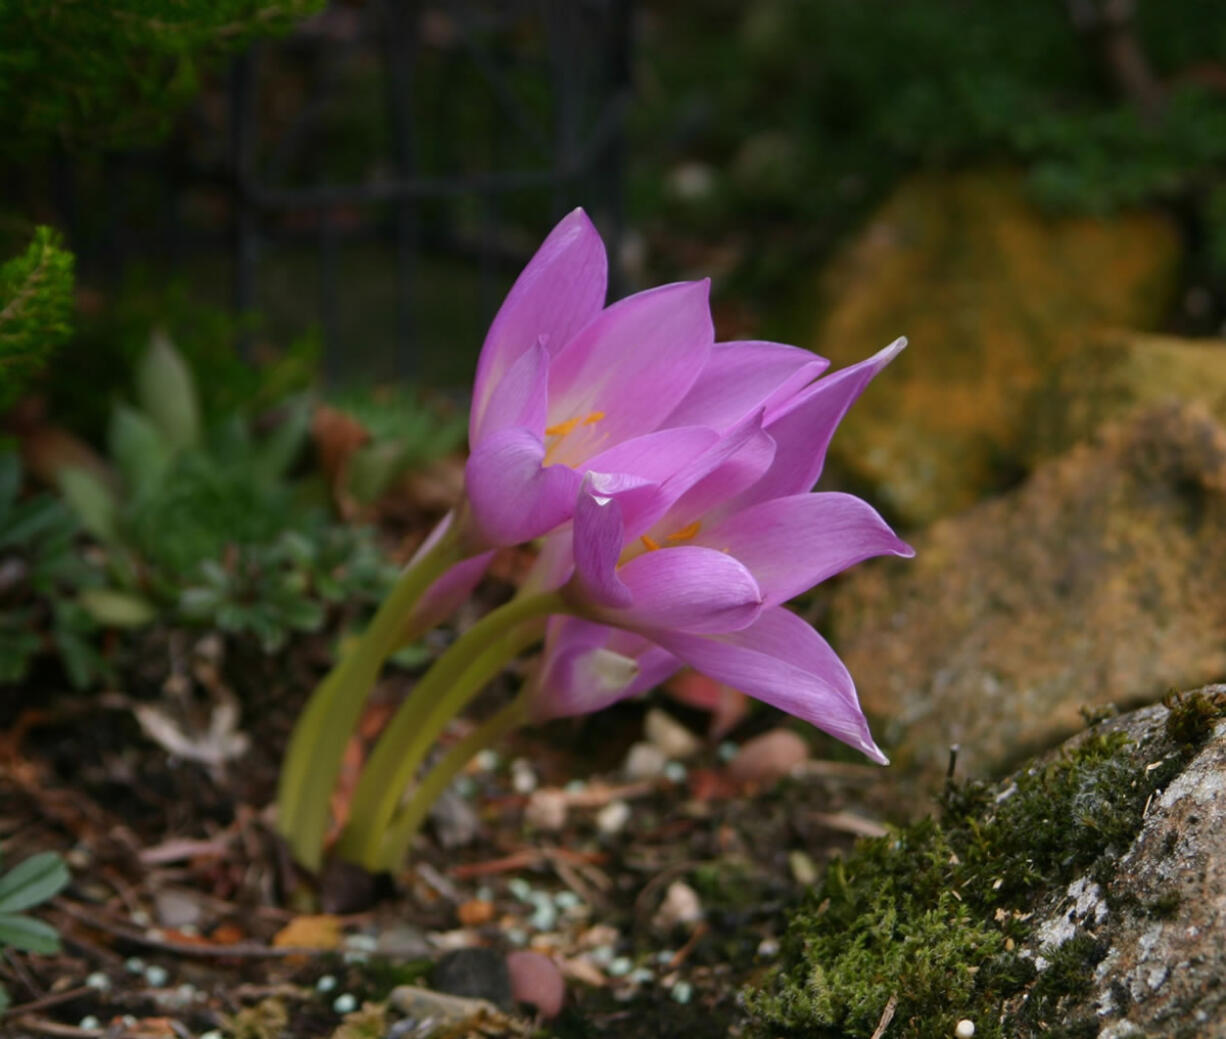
{"x": 700, "y": 578}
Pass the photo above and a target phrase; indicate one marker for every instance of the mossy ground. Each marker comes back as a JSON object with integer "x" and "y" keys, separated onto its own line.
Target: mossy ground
{"x": 934, "y": 916}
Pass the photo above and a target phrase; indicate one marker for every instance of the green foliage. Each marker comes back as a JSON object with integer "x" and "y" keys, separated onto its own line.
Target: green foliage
{"x": 113, "y": 75}
{"x": 41, "y": 572}
{"x": 207, "y": 527}
{"x": 406, "y": 430}
{"x": 26, "y": 885}
{"x": 933, "y": 913}
{"x": 806, "y": 113}
{"x": 35, "y": 311}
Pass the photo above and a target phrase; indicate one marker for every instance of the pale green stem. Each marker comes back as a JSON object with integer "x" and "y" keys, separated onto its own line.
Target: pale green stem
{"x": 412, "y": 813}
{"x": 317, "y": 745}
{"x": 456, "y": 677}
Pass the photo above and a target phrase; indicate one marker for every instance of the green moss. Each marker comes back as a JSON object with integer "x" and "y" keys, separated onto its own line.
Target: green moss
{"x": 933, "y": 915}
{"x": 1192, "y": 716}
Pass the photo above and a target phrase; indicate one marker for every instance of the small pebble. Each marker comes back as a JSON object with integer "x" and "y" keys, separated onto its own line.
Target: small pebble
{"x": 675, "y": 772}
{"x": 620, "y": 967}
{"x": 523, "y": 778}
{"x": 804, "y": 870}
{"x": 546, "y": 810}
{"x": 673, "y": 738}
{"x": 768, "y": 758}
{"x": 544, "y": 913}
{"x": 212, "y": 1033}
{"x": 641, "y": 975}
{"x": 326, "y": 983}
{"x": 567, "y": 901}
{"x": 156, "y": 976}
{"x": 520, "y": 888}
{"x": 536, "y": 980}
{"x": 89, "y": 1021}
{"x": 665, "y": 957}
{"x": 681, "y": 905}
{"x": 601, "y": 955}
{"x": 345, "y": 1003}
{"x": 768, "y": 947}
{"x": 134, "y": 965}
{"x": 98, "y": 980}
{"x": 727, "y": 751}
{"x": 486, "y": 760}
{"x": 465, "y": 786}
{"x": 516, "y": 936}
{"x": 965, "y": 1028}
{"x": 612, "y": 817}
{"x": 474, "y": 912}
{"x": 644, "y": 761}
{"x": 575, "y": 786}
{"x": 682, "y": 991}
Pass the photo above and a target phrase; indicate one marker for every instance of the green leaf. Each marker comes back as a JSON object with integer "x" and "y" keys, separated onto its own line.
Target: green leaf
{"x": 92, "y": 501}
{"x": 115, "y": 609}
{"x": 10, "y": 480}
{"x": 139, "y": 449}
{"x": 283, "y": 444}
{"x": 33, "y": 881}
{"x": 4, "y": 998}
{"x": 28, "y": 934}
{"x": 166, "y": 392}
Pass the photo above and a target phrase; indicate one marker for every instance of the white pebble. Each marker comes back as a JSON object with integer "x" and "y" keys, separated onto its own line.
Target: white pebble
{"x": 134, "y": 965}
{"x": 89, "y": 1021}
{"x": 575, "y": 786}
{"x": 602, "y": 955}
{"x": 516, "y": 936}
{"x": 620, "y": 967}
{"x": 345, "y": 1003}
{"x": 326, "y": 983}
{"x": 520, "y": 888}
{"x": 612, "y": 817}
{"x": 644, "y": 761}
{"x": 673, "y": 738}
{"x": 641, "y": 975}
{"x": 98, "y": 980}
{"x": 546, "y": 810}
{"x": 965, "y": 1028}
{"x": 523, "y": 778}
{"x": 567, "y": 901}
{"x": 675, "y": 772}
{"x": 486, "y": 760}
{"x": 156, "y": 976}
{"x": 727, "y": 751}
{"x": 682, "y": 991}
{"x": 768, "y": 947}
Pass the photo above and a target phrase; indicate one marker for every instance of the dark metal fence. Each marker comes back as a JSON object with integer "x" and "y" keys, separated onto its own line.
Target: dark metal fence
{"x": 418, "y": 134}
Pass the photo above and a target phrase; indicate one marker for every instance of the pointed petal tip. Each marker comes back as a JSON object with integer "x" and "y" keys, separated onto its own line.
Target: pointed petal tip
{"x": 888, "y": 353}
{"x": 874, "y": 753}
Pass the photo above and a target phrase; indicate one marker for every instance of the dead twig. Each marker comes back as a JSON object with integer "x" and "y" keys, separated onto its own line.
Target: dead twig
{"x": 887, "y": 1015}
{"x": 43, "y": 1002}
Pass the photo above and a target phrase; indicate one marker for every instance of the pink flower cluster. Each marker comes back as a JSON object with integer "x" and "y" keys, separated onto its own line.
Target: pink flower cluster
{"x": 670, "y": 478}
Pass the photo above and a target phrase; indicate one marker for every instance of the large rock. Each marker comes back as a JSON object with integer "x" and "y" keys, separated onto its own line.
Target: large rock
{"x": 991, "y": 293}
{"x": 1116, "y": 373}
{"x": 1101, "y": 579}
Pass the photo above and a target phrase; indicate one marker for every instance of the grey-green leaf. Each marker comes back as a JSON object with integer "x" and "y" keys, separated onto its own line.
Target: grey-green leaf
{"x": 91, "y": 500}
{"x": 166, "y": 392}
{"x": 32, "y": 881}
{"x": 28, "y": 934}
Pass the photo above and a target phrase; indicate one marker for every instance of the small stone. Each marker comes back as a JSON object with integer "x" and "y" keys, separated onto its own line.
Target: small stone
{"x": 768, "y": 948}
{"x": 403, "y": 942}
{"x": 520, "y": 888}
{"x": 536, "y": 980}
{"x": 670, "y": 736}
{"x": 567, "y": 901}
{"x": 682, "y": 991}
{"x": 544, "y": 912}
{"x": 523, "y": 778}
{"x": 612, "y": 817}
{"x": 486, "y": 760}
{"x": 804, "y": 870}
{"x": 444, "y": 1009}
{"x": 620, "y": 966}
{"x": 644, "y": 761}
{"x": 964, "y": 1029}
{"x": 156, "y": 976}
{"x": 325, "y": 984}
{"x": 345, "y": 1003}
{"x": 88, "y": 1023}
{"x": 726, "y": 751}
{"x": 475, "y": 912}
{"x": 675, "y": 772}
{"x": 681, "y": 905}
{"x": 766, "y": 759}
{"x": 475, "y": 974}
{"x": 546, "y": 810}
{"x": 98, "y": 980}
{"x": 455, "y": 822}
{"x": 176, "y": 909}
{"x": 641, "y": 975}
{"x": 134, "y": 965}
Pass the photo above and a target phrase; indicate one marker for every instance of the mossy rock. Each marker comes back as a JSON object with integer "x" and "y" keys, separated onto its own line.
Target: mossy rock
{"x": 1040, "y": 906}
{"x": 1116, "y": 373}
{"x": 1100, "y": 580}
{"x": 991, "y": 293}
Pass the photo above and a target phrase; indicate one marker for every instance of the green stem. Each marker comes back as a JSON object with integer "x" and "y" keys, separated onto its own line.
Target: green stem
{"x": 317, "y": 745}
{"x": 412, "y": 813}
{"x": 456, "y": 677}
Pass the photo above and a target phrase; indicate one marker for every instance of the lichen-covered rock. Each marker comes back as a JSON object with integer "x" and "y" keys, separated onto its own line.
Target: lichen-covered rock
{"x": 1153, "y": 927}
{"x": 1116, "y": 373}
{"x": 1085, "y": 895}
{"x": 1100, "y": 580}
{"x": 991, "y": 293}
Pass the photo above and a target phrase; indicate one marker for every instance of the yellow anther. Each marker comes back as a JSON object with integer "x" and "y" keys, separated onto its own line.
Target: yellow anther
{"x": 650, "y": 543}
{"x": 562, "y": 428}
{"x": 592, "y": 417}
{"x": 685, "y": 533}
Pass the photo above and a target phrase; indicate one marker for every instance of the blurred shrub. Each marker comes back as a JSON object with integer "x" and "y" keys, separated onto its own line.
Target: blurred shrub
{"x": 113, "y": 75}
{"x": 806, "y": 112}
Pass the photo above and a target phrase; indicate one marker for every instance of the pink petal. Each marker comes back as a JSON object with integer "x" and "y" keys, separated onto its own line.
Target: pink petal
{"x": 447, "y": 593}
{"x": 630, "y": 366}
{"x": 519, "y": 398}
{"x": 688, "y": 589}
{"x": 561, "y": 290}
{"x": 804, "y": 428}
{"x": 598, "y": 544}
{"x": 790, "y": 544}
{"x": 514, "y": 499}
{"x": 741, "y": 377}
{"x": 782, "y": 661}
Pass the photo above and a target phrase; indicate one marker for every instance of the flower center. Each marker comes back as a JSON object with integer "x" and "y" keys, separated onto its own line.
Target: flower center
{"x": 559, "y": 431}
{"x": 677, "y": 537}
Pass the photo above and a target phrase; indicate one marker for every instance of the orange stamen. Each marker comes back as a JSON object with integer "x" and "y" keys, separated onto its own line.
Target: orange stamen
{"x": 650, "y": 543}
{"x": 685, "y": 533}
{"x": 592, "y": 417}
{"x": 562, "y": 428}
